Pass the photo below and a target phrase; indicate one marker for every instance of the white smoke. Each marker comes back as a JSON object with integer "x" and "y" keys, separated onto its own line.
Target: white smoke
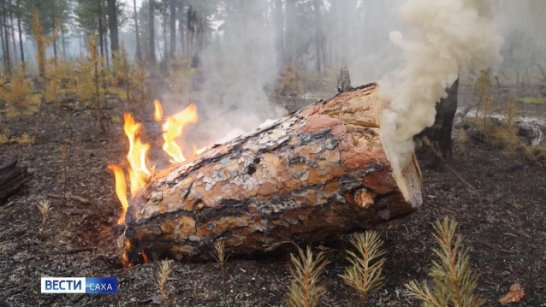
{"x": 449, "y": 37}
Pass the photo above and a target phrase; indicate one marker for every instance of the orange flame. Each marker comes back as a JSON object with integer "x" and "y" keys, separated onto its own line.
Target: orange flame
{"x": 173, "y": 128}
{"x": 124, "y": 255}
{"x": 138, "y": 168}
{"x": 121, "y": 190}
{"x": 144, "y": 256}
{"x": 158, "y": 110}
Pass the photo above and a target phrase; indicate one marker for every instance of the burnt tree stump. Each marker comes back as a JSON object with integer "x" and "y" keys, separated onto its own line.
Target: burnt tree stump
{"x": 438, "y": 136}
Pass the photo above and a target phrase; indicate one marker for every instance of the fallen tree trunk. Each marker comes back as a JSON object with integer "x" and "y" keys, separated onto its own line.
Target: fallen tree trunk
{"x": 12, "y": 178}
{"x": 310, "y": 176}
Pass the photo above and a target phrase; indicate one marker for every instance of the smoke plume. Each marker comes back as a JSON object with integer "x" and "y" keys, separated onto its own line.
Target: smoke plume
{"x": 449, "y": 38}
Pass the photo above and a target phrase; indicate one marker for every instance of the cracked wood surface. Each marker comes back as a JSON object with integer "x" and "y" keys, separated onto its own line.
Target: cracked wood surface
{"x": 307, "y": 177}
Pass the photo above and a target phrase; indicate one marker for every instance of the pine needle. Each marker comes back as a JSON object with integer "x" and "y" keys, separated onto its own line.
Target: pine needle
{"x": 305, "y": 290}
{"x": 220, "y": 256}
{"x": 365, "y": 272}
{"x": 45, "y": 210}
{"x": 165, "y": 271}
{"x": 453, "y": 281}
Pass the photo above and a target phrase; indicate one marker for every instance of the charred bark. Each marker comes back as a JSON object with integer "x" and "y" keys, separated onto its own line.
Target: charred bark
{"x": 12, "y": 178}
{"x": 307, "y": 177}
{"x": 438, "y": 137}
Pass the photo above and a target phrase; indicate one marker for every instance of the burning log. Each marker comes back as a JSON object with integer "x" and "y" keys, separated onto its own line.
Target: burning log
{"x": 307, "y": 177}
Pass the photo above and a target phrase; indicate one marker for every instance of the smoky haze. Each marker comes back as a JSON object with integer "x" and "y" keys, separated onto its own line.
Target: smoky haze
{"x": 251, "y": 43}
{"x": 257, "y": 58}
{"x": 450, "y": 38}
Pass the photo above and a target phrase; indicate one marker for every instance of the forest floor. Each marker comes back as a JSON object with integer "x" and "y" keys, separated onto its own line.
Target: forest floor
{"x": 500, "y": 207}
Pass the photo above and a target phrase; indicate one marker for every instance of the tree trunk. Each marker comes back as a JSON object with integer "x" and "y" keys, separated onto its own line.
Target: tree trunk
{"x": 191, "y": 27}
{"x": 107, "y": 53}
{"x": 319, "y": 37}
{"x": 101, "y": 32}
{"x": 165, "y": 39}
{"x": 63, "y": 44}
{"x": 55, "y": 51}
{"x": 172, "y": 28}
{"x": 7, "y": 57}
{"x": 2, "y": 36}
{"x": 13, "y": 39}
{"x": 20, "y": 30}
{"x": 40, "y": 43}
{"x": 307, "y": 177}
{"x": 279, "y": 31}
{"x": 181, "y": 25}
{"x": 113, "y": 25}
{"x": 291, "y": 29}
{"x": 138, "y": 52}
{"x": 151, "y": 31}
{"x": 12, "y": 178}
{"x": 438, "y": 137}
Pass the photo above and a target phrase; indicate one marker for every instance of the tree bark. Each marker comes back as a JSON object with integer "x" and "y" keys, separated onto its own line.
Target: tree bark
{"x": 307, "y": 177}
{"x": 12, "y": 178}
{"x": 113, "y": 25}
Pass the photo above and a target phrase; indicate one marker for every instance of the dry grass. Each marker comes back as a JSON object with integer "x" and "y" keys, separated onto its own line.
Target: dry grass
{"x": 507, "y": 132}
{"x": 165, "y": 271}
{"x": 532, "y": 100}
{"x": 45, "y": 210}
{"x": 365, "y": 272}
{"x": 61, "y": 80}
{"x": 220, "y": 256}
{"x": 453, "y": 281}
{"x": 23, "y": 139}
{"x": 305, "y": 290}
{"x": 505, "y": 135}
{"x": 18, "y": 95}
